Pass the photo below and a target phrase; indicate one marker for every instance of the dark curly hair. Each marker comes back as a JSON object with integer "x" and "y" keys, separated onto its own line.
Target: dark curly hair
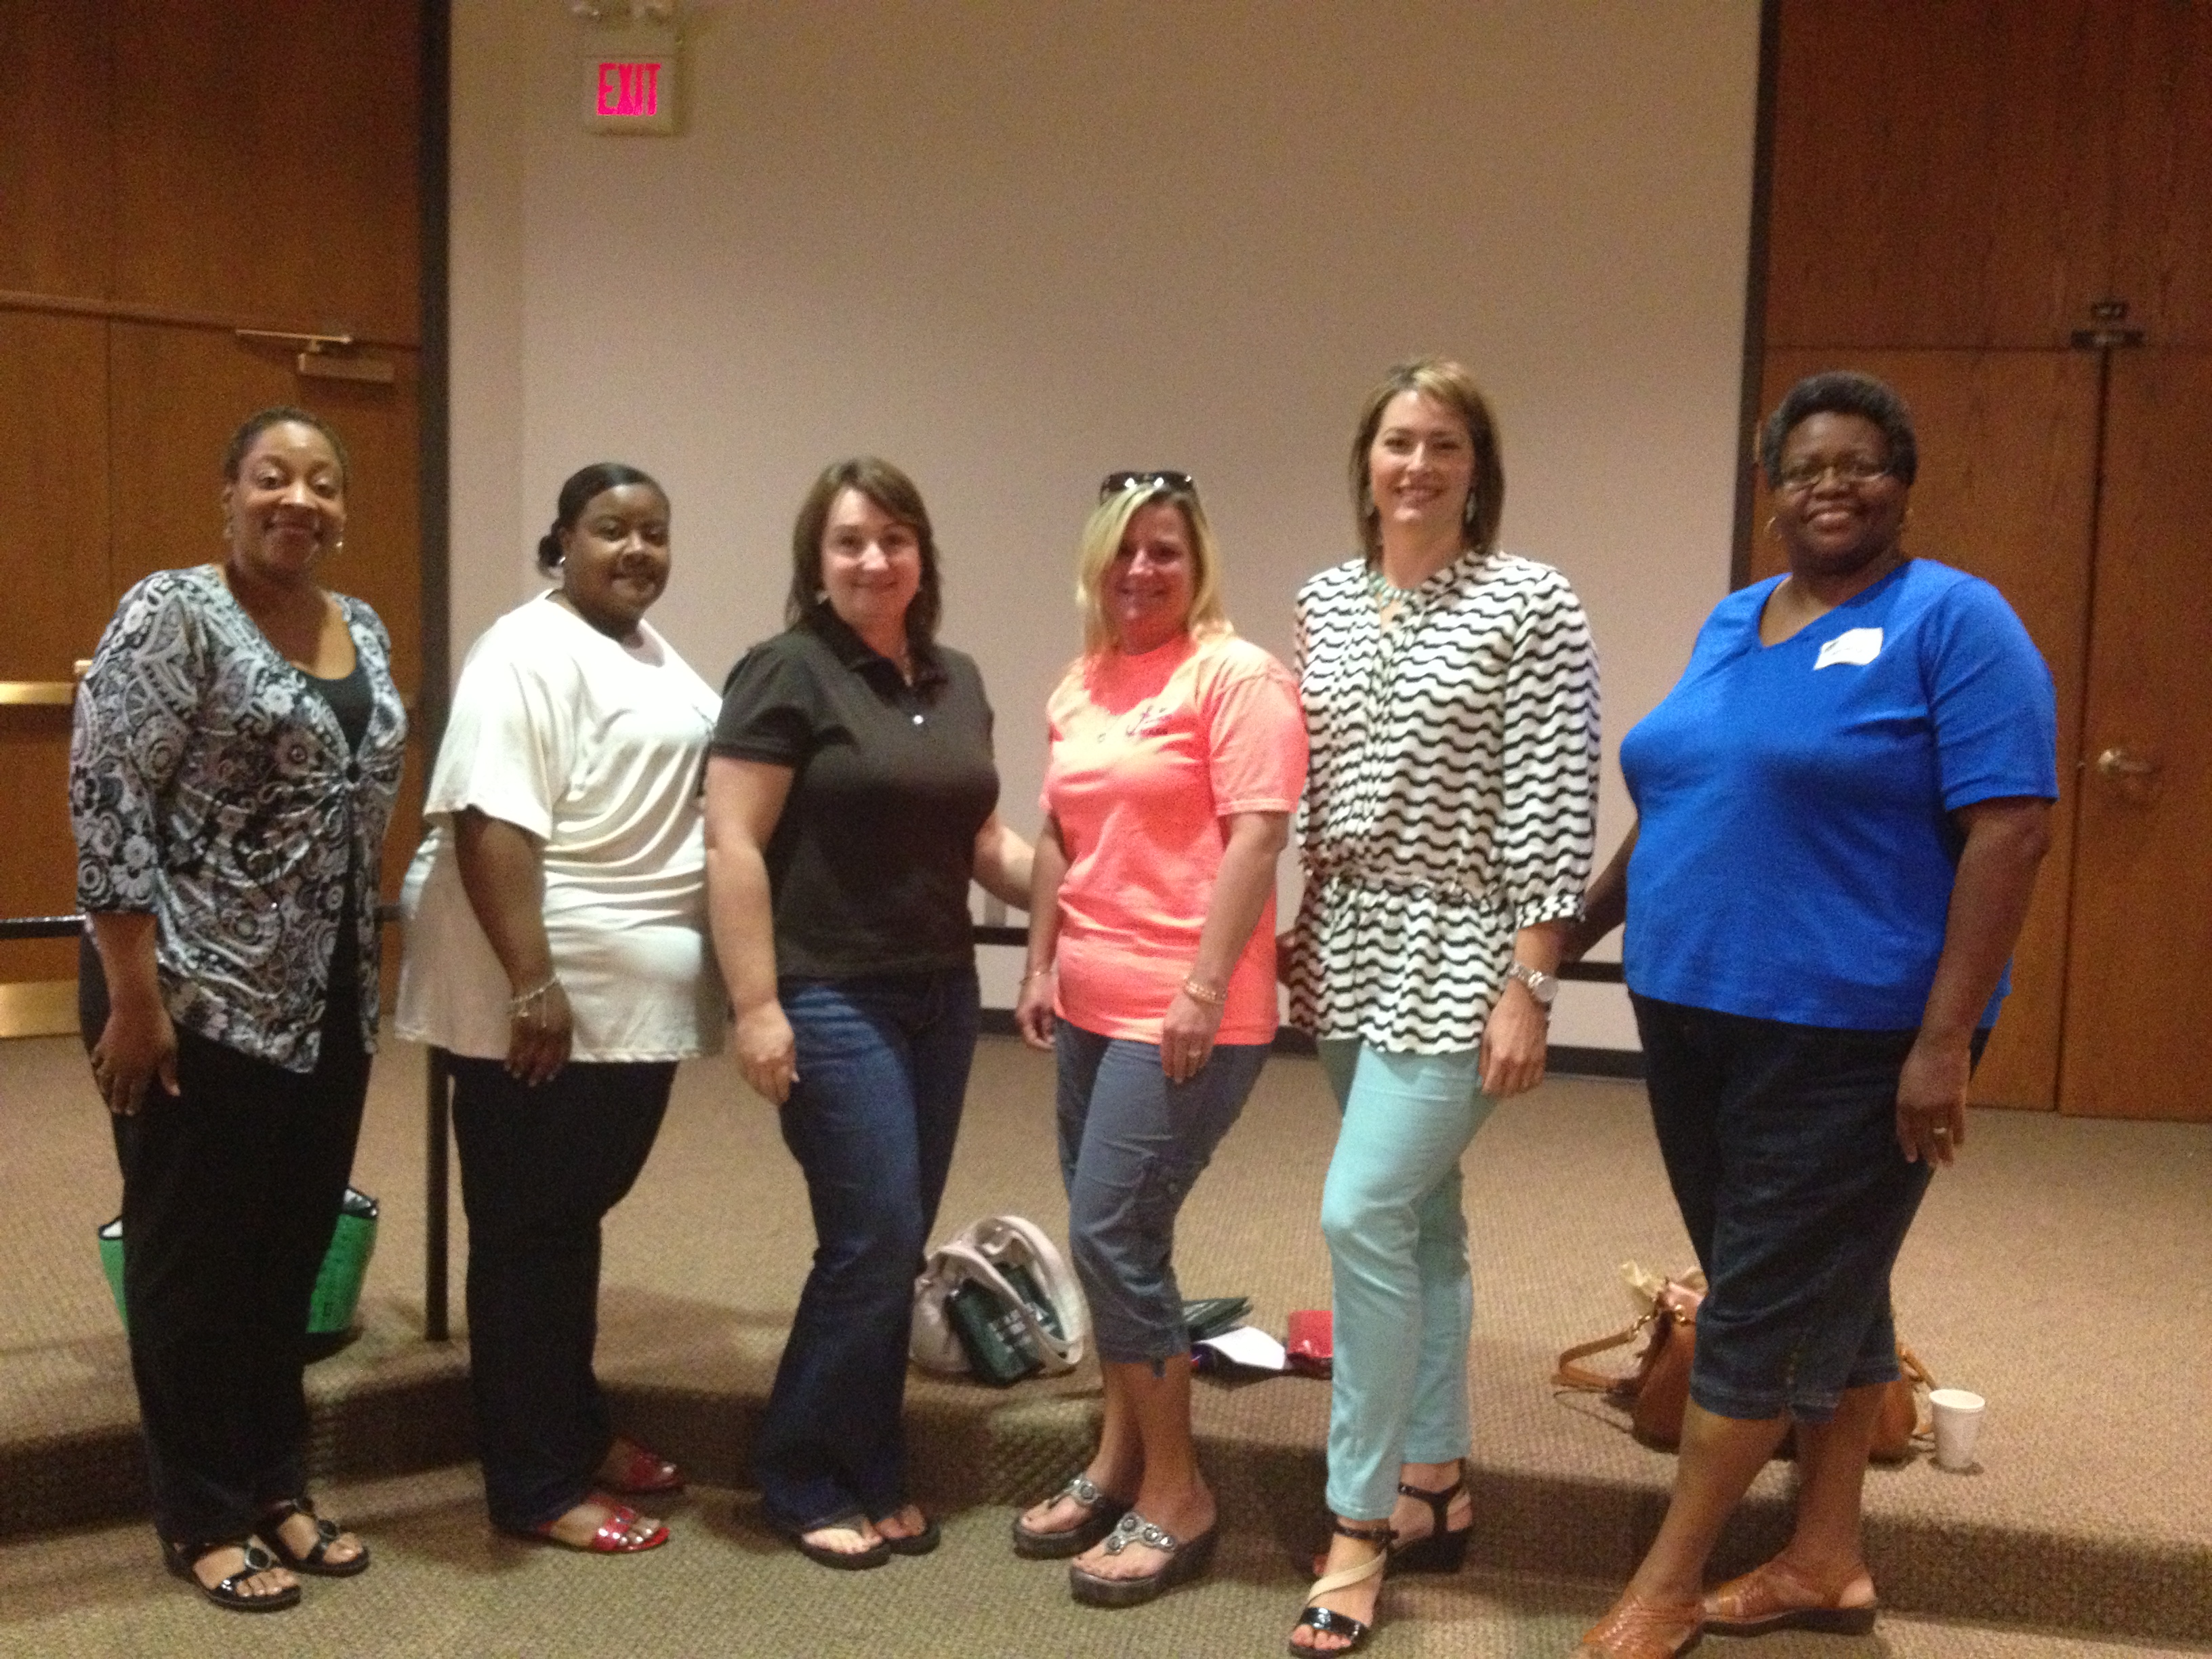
{"x": 1841, "y": 392}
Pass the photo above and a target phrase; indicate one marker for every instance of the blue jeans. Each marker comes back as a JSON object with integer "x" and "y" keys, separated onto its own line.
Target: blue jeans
{"x": 883, "y": 1072}
{"x": 1131, "y": 1145}
{"x": 1404, "y": 1300}
{"x": 1780, "y": 1142}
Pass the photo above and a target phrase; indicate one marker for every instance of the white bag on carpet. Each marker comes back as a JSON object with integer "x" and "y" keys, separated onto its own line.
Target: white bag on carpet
{"x": 984, "y": 1254}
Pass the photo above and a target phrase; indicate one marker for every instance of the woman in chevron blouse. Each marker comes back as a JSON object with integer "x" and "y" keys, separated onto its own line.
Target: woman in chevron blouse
{"x": 1451, "y": 697}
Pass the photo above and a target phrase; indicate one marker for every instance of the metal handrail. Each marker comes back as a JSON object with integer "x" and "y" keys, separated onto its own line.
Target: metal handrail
{"x": 437, "y": 1104}
{"x": 16, "y": 928}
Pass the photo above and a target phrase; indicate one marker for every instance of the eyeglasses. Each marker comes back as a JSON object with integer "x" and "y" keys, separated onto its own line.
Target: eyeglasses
{"x": 1115, "y": 482}
{"x": 1850, "y": 469}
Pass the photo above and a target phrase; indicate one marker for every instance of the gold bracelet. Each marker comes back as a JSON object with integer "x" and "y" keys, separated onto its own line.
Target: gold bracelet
{"x": 1036, "y": 973}
{"x": 1206, "y": 995}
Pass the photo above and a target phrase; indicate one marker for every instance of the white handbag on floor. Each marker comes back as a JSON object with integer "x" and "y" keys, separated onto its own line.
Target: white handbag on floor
{"x": 1021, "y": 1309}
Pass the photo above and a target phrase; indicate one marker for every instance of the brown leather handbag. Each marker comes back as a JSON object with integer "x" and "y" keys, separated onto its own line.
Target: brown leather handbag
{"x": 1656, "y": 1392}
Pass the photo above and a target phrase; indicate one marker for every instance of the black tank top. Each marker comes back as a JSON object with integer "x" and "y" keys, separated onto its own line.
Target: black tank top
{"x": 352, "y": 701}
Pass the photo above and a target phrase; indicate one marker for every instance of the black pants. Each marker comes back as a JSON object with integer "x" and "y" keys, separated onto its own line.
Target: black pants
{"x": 539, "y": 1168}
{"x": 230, "y": 1192}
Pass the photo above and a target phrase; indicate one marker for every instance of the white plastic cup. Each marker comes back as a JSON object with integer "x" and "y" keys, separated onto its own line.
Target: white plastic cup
{"x": 1958, "y": 1425}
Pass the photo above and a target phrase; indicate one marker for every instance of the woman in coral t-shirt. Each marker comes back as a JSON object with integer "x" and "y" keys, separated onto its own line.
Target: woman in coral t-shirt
{"x": 1178, "y": 751}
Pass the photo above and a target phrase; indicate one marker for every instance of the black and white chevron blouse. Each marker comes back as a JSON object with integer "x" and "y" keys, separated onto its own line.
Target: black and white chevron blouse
{"x": 1452, "y": 797}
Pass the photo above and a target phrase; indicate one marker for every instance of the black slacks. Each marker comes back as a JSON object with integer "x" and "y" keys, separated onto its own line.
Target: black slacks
{"x": 230, "y": 1193}
{"x": 540, "y": 1167}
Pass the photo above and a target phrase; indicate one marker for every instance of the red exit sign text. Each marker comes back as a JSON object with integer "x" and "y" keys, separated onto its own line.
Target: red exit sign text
{"x": 630, "y": 94}
{"x": 630, "y": 89}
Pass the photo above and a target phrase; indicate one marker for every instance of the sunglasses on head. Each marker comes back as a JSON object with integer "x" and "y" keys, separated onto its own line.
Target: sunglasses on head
{"x": 1115, "y": 482}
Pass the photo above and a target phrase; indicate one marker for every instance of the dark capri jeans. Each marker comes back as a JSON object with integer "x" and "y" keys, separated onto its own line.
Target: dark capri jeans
{"x": 1780, "y": 1141}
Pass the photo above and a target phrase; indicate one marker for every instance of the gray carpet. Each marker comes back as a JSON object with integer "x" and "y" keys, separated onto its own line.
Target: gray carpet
{"x": 2052, "y": 1271}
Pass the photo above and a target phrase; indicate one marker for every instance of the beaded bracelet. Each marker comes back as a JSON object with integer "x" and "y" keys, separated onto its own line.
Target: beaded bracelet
{"x": 1206, "y": 995}
{"x": 519, "y": 1006}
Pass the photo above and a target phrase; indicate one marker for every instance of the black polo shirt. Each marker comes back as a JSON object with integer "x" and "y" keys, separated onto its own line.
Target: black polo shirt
{"x": 869, "y": 865}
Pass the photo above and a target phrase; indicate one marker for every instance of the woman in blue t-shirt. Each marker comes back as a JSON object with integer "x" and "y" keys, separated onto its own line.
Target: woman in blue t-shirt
{"x": 1841, "y": 806}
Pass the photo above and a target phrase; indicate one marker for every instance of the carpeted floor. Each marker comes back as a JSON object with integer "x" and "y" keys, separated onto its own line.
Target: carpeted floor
{"x": 444, "y": 1588}
{"x": 2054, "y": 1270}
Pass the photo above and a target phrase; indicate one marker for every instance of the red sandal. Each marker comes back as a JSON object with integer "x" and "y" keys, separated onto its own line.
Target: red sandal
{"x": 639, "y": 1473}
{"x": 613, "y": 1535}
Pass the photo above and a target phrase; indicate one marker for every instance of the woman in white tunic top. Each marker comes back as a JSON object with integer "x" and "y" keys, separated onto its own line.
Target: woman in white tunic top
{"x": 557, "y": 951}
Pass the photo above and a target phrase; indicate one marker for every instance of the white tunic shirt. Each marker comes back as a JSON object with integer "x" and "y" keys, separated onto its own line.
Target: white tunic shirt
{"x": 1452, "y": 797}
{"x": 596, "y": 748}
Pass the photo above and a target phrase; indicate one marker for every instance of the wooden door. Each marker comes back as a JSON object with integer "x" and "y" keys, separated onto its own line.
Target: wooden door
{"x": 2007, "y": 478}
{"x": 53, "y": 565}
{"x": 1942, "y": 172}
{"x": 2139, "y": 994}
{"x": 56, "y": 195}
{"x": 178, "y": 393}
{"x": 170, "y": 175}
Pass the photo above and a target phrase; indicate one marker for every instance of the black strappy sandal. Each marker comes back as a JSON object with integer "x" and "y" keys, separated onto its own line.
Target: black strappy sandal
{"x": 1439, "y": 1549}
{"x": 1325, "y": 1622}
{"x": 316, "y": 1561}
{"x": 230, "y": 1594}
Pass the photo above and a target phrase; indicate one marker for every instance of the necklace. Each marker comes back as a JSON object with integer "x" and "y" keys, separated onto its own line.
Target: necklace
{"x": 1391, "y": 601}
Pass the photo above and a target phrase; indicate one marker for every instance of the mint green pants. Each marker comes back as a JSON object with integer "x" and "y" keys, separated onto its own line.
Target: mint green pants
{"x": 1403, "y": 1303}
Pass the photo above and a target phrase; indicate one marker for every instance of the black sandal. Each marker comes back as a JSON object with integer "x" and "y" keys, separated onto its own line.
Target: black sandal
{"x": 1325, "y": 1622}
{"x": 316, "y": 1561}
{"x": 1439, "y": 1549}
{"x": 910, "y": 1543}
{"x": 852, "y": 1520}
{"x": 230, "y": 1594}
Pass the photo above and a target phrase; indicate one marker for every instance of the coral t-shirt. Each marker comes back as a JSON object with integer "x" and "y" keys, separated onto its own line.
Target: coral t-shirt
{"x": 1149, "y": 754}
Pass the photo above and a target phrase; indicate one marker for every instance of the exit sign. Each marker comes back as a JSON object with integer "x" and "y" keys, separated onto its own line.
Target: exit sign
{"x": 629, "y": 91}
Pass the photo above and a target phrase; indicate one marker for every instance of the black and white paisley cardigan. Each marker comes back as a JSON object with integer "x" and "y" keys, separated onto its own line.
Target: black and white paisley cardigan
{"x": 210, "y": 784}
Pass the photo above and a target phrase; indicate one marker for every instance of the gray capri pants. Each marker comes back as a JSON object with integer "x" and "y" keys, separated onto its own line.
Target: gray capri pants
{"x": 1131, "y": 1145}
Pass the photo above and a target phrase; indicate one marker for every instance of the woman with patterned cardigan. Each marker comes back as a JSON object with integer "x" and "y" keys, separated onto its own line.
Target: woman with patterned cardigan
{"x": 1451, "y": 698}
{"x": 236, "y": 755}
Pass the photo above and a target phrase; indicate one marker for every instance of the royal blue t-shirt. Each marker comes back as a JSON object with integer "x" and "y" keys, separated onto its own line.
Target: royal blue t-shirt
{"x": 1795, "y": 856}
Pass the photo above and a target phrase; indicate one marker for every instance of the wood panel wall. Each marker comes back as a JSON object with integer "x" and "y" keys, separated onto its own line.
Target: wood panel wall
{"x": 168, "y": 173}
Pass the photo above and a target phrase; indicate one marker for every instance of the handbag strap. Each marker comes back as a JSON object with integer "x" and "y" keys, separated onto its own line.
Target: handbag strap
{"x": 1915, "y": 1368}
{"x": 1569, "y": 1374}
{"x": 1918, "y": 1374}
{"x": 1014, "y": 1238}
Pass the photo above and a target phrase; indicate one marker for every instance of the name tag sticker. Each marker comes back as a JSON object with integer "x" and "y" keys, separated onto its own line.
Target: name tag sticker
{"x": 1856, "y": 646}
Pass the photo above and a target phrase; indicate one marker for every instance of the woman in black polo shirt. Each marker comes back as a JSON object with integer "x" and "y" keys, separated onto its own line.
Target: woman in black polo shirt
{"x": 851, "y": 796}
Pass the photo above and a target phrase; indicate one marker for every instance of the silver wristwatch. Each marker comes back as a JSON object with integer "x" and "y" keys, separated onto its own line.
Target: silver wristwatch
{"x": 1544, "y": 986}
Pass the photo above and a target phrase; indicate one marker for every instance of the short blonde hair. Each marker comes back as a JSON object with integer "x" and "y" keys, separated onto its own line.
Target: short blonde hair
{"x": 1102, "y": 540}
{"x": 1446, "y": 383}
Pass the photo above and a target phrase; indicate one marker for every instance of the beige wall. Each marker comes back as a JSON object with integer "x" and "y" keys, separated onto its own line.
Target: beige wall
{"x": 1012, "y": 246}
